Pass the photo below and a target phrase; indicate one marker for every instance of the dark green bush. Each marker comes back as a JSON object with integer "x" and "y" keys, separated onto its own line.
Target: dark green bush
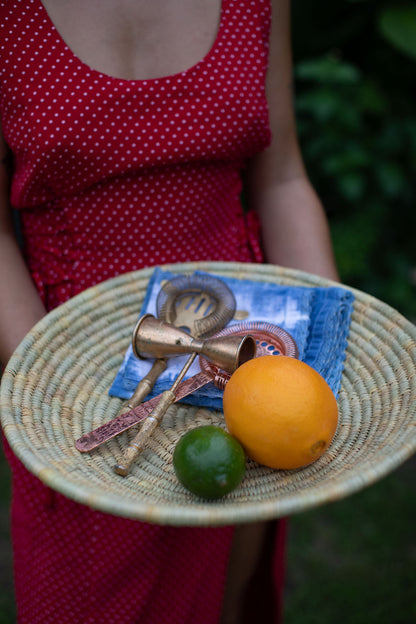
{"x": 355, "y": 74}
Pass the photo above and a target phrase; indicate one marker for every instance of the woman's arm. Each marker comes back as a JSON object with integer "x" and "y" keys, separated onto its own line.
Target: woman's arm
{"x": 294, "y": 225}
{"x": 20, "y": 305}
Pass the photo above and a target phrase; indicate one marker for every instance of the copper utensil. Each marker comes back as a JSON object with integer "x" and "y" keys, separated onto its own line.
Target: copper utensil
{"x": 153, "y": 338}
{"x": 201, "y": 304}
{"x": 243, "y": 349}
{"x": 198, "y": 303}
{"x": 270, "y": 339}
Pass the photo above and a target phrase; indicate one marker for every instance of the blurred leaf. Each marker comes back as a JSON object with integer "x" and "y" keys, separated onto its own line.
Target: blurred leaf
{"x": 350, "y": 116}
{"x": 391, "y": 179}
{"x": 327, "y": 104}
{"x": 390, "y": 139}
{"x": 327, "y": 69}
{"x": 354, "y": 240}
{"x": 349, "y": 158}
{"x": 398, "y": 26}
{"x": 321, "y": 145}
{"x": 352, "y": 185}
{"x": 322, "y": 104}
{"x": 371, "y": 99}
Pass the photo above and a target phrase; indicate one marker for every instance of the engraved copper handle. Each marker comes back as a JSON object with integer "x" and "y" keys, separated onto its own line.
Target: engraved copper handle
{"x": 91, "y": 440}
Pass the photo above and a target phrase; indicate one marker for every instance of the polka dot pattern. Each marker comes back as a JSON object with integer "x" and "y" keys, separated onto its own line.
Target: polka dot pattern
{"x": 115, "y": 175}
{"x": 74, "y": 565}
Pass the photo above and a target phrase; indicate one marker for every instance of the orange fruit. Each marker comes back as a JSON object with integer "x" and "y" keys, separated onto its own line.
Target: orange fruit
{"x": 281, "y": 411}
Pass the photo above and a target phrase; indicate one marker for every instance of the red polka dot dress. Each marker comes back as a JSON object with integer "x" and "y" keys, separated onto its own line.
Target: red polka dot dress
{"x": 113, "y": 175}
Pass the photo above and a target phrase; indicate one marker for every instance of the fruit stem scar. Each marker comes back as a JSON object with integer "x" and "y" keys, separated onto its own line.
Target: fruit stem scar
{"x": 318, "y": 447}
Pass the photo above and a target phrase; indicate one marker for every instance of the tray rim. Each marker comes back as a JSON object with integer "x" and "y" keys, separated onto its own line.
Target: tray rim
{"x": 199, "y": 513}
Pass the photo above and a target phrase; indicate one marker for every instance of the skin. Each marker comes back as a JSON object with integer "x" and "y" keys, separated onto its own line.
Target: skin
{"x": 137, "y": 39}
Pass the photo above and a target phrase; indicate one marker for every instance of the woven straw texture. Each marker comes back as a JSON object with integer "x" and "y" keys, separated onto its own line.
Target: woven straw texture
{"x": 55, "y": 389}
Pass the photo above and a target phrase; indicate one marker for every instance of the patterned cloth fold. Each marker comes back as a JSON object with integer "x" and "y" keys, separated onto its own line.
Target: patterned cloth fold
{"x": 318, "y": 318}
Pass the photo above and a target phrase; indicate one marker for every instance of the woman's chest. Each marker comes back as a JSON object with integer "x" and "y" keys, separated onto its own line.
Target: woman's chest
{"x": 59, "y": 114}
{"x": 137, "y": 39}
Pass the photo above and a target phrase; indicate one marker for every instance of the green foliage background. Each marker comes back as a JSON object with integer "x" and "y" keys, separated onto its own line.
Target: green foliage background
{"x": 355, "y": 80}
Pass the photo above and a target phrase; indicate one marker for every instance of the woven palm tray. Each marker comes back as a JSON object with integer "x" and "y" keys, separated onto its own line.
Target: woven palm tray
{"x": 55, "y": 389}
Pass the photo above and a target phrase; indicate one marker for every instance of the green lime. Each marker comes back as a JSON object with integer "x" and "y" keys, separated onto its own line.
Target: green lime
{"x": 209, "y": 462}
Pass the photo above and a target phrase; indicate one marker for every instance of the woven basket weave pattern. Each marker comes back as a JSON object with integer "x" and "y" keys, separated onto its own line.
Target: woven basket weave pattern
{"x": 55, "y": 389}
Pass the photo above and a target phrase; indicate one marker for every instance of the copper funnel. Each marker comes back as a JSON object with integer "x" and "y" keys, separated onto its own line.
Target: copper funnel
{"x": 153, "y": 338}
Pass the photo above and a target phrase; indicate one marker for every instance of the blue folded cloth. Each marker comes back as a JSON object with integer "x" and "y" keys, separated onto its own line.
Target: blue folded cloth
{"x": 317, "y": 318}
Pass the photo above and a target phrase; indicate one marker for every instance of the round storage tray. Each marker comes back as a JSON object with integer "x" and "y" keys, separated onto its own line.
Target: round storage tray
{"x": 55, "y": 389}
